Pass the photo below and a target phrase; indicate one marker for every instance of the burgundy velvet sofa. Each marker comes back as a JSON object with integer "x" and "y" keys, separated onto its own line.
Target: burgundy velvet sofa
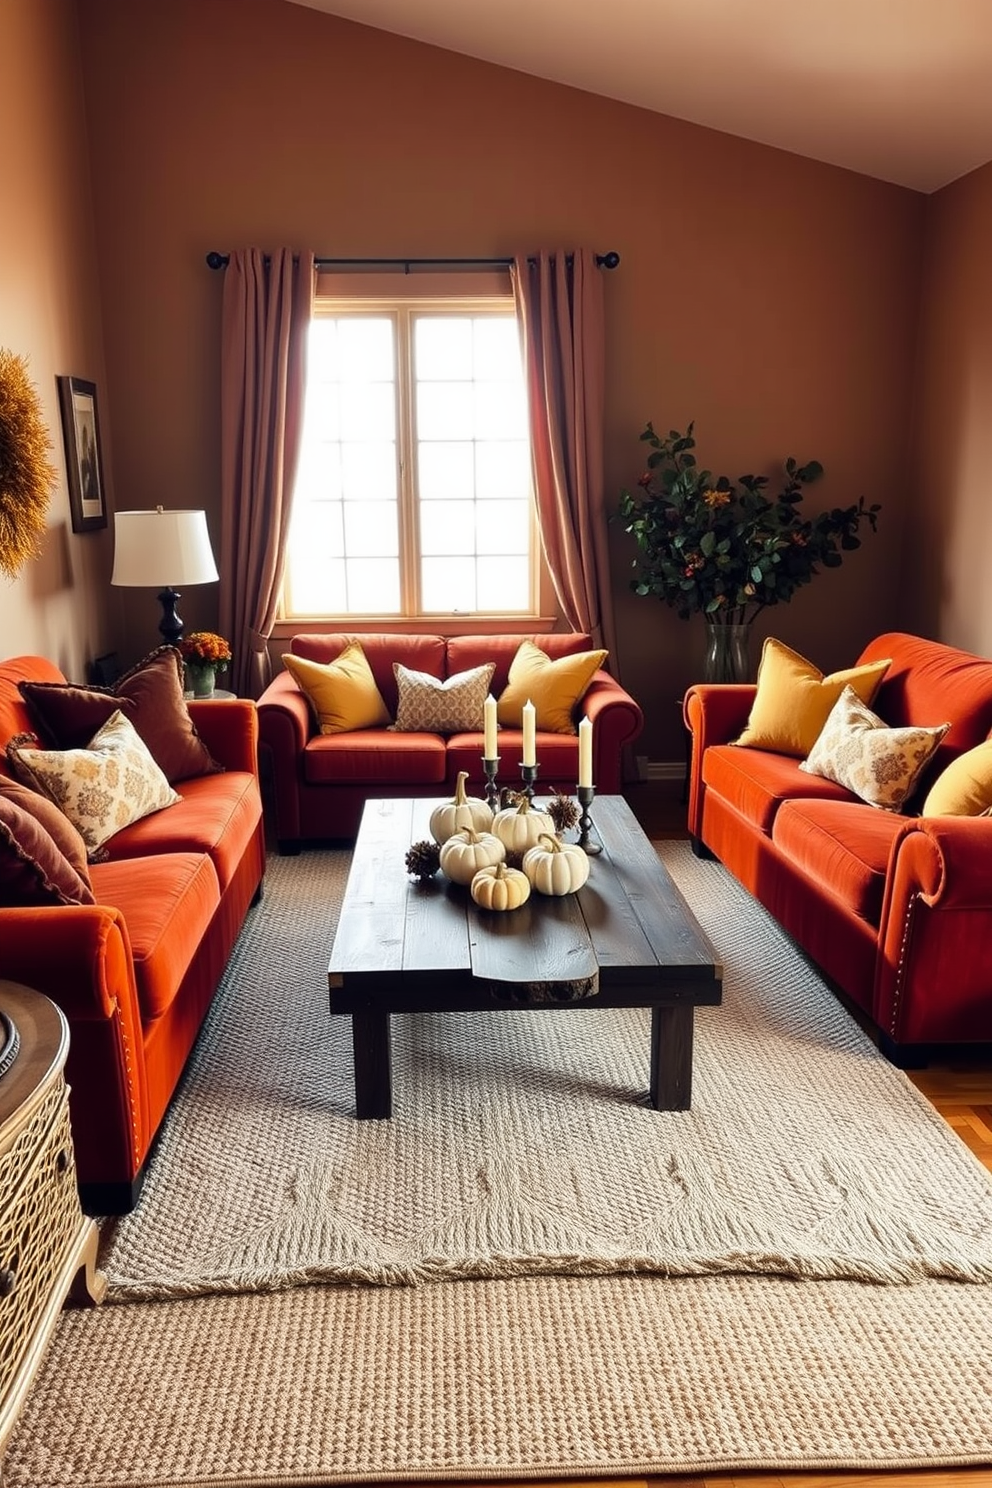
{"x": 896, "y": 909}
{"x": 320, "y": 782}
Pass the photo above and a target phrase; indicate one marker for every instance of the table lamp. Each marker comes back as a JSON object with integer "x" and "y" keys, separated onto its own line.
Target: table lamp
{"x": 158, "y": 550}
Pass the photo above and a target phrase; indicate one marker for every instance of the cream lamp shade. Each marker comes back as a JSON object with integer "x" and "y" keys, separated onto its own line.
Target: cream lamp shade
{"x": 159, "y": 550}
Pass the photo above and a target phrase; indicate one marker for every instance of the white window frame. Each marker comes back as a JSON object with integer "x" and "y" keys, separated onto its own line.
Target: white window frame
{"x": 401, "y": 297}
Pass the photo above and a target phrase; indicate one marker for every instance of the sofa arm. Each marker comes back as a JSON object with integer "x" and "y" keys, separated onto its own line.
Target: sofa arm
{"x": 285, "y": 723}
{"x": 80, "y": 957}
{"x": 616, "y": 721}
{"x": 229, "y": 729}
{"x": 933, "y": 980}
{"x": 714, "y": 713}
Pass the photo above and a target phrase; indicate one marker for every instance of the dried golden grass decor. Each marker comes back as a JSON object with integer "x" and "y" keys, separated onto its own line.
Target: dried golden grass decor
{"x": 27, "y": 476}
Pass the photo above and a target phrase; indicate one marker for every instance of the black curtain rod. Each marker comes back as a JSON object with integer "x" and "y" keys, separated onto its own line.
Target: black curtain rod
{"x": 604, "y": 261}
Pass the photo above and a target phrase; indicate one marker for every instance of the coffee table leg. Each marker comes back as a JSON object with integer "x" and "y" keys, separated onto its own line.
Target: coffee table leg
{"x": 373, "y": 1074}
{"x": 671, "y": 1057}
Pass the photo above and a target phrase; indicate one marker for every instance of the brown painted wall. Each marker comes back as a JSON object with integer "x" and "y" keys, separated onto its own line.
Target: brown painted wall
{"x": 949, "y": 549}
{"x": 50, "y": 314}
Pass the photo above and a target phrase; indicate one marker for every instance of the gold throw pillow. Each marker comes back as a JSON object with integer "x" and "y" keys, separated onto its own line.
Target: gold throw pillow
{"x": 794, "y": 699}
{"x": 554, "y": 687}
{"x": 342, "y": 693}
{"x": 965, "y": 787}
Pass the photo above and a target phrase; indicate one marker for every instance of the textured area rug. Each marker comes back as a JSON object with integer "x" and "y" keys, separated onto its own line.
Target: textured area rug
{"x": 523, "y": 1142}
{"x": 615, "y": 1356}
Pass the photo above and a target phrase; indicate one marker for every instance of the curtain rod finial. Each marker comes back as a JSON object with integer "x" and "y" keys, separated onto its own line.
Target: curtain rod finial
{"x": 217, "y": 260}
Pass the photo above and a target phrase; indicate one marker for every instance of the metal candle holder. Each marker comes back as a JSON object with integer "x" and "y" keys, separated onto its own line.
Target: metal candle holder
{"x": 529, "y": 773}
{"x": 586, "y": 793}
{"x": 490, "y": 766}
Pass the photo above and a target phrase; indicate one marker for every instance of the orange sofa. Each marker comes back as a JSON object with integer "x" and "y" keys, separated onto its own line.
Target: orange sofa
{"x": 136, "y": 970}
{"x": 896, "y": 909}
{"x": 320, "y": 782}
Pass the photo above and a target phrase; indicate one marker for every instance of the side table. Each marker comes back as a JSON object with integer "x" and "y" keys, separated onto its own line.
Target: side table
{"x": 48, "y": 1248}
{"x": 218, "y": 695}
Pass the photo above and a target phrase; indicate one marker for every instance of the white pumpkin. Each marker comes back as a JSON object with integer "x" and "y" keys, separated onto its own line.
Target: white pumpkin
{"x": 555, "y": 867}
{"x": 520, "y": 827}
{"x": 500, "y": 887}
{"x": 466, "y": 852}
{"x": 460, "y": 812}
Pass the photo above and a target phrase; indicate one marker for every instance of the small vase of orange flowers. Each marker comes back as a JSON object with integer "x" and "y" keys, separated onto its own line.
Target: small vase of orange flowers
{"x": 204, "y": 655}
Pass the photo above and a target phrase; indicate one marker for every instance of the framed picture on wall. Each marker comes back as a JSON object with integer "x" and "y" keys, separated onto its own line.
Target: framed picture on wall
{"x": 83, "y": 463}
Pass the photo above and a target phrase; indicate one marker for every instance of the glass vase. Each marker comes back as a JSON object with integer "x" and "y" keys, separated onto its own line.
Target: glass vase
{"x": 728, "y": 654}
{"x": 203, "y": 679}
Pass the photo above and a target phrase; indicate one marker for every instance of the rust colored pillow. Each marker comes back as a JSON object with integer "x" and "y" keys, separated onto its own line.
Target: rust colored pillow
{"x": 66, "y": 837}
{"x": 32, "y": 869}
{"x": 150, "y": 696}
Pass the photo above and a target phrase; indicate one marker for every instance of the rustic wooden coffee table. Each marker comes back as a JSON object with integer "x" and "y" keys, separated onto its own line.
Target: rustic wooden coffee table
{"x": 626, "y": 939}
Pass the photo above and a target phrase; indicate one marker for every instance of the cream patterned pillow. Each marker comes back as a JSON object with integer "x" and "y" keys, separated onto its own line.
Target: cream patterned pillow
{"x": 859, "y": 751}
{"x": 428, "y": 705}
{"x": 107, "y": 786}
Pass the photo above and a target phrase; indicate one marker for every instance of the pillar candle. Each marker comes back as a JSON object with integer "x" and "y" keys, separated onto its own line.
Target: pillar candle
{"x": 529, "y": 756}
{"x": 489, "y": 716}
{"x": 585, "y": 752}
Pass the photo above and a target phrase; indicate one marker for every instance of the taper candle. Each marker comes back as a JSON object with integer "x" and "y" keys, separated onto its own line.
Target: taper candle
{"x": 529, "y": 756}
{"x": 489, "y": 719}
{"x": 585, "y": 752}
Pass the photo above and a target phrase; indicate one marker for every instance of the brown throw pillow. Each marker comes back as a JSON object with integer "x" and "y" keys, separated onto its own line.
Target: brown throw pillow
{"x": 32, "y": 869}
{"x": 67, "y": 838}
{"x": 150, "y": 696}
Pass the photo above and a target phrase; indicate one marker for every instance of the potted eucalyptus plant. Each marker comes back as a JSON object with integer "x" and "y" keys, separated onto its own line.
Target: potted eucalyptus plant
{"x": 728, "y": 549}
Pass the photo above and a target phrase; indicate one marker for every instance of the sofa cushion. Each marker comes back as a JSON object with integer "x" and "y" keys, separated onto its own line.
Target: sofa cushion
{"x": 342, "y": 693}
{"x": 150, "y": 696}
{"x": 66, "y": 837}
{"x": 794, "y": 699}
{"x": 428, "y": 705}
{"x": 216, "y": 815}
{"x": 879, "y": 764}
{"x": 964, "y": 788}
{"x": 102, "y": 788}
{"x": 168, "y": 902}
{"x": 842, "y": 845}
{"x": 33, "y": 869}
{"x": 554, "y": 686}
{"x": 375, "y": 758}
{"x": 755, "y": 782}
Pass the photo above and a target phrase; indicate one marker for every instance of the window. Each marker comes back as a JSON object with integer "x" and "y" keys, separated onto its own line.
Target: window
{"x": 413, "y": 495}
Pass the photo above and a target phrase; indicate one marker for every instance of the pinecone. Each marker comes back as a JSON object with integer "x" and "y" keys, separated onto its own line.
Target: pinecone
{"x": 423, "y": 860}
{"x": 563, "y": 811}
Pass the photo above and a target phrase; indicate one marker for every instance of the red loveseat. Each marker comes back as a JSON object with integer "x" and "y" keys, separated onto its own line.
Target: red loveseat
{"x": 896, "y": 909}
{"x": 135, "y": 971}
{"x": 320, "y": 782}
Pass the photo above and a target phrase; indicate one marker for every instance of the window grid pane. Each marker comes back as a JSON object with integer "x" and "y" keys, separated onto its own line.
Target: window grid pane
{"x": 468, "y": 468}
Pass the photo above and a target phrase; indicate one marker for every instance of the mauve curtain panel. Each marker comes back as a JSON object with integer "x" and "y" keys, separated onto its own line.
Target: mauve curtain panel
{"x": 559, "y": 302}
{"x": 267, "y": 309}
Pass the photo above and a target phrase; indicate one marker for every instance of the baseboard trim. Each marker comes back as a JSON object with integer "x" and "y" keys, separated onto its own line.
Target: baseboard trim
{"x": 665, "y": 770}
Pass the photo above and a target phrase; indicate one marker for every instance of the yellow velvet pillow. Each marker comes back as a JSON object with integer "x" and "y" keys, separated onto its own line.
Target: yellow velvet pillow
{"x": 965, "y": 787}
{"x": 554, "y": 687}
{"x": 794, "y": 699}
{"x": 341, "y": 692}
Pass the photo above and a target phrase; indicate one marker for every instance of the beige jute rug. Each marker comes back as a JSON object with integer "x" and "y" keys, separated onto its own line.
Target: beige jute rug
{"x": 528, "y": 1271}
